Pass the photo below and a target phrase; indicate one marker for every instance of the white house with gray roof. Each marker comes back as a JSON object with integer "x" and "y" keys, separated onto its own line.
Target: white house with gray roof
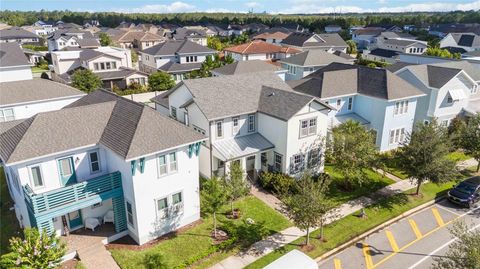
{"x": 311, "y": 41}
{"x": 71, "y": 38}
{"x": 302, "y": 64}
{"x": 255, "y": 119}
{"x": 19, "y": 35}
{"x": 176, "y": 57}
{"x": 466, "y": 41}
{"x": 450, "y": 89}
{"x": 132, "y": 171}
{"x": 252, "y": 66}
{"x": 14, "y": 65}
{"x": 378, "y": 99}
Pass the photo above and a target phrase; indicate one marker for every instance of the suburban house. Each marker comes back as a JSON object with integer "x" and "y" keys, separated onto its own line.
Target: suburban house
{"x": 331, "y": 28}
{"x": 25, "y": 98}
{"x": 310, "y": 41}
{"x": 71, "y": 38}
{"x": 136, "y": 39}
{"x": 381, "y": 55}
{"x": 44, "y": 27}
{"x": 14, "y": 65}
{"x": 19, "y": 35}
{"x": 380, "y": 100}
{"x": 191, "y": 34}
{"x": 252, "y": 66}
{"x": 216, "y": 29}
{"x": 113, "y": 66}
{"x": 259, "y": 50}
{"x": 307, "y": 62}
{"x": 363, "y": 37}
{"x": 400, "y": 42}
{"x": 450, "y": 89}
{"x": 176, "y": 57}
{"x": 132, "y": 167}
{"x": 254, "y": 119}
{"x": 273, "y": 38}
{"x": 441, "y": 30}
{"x": 464, "y": 41}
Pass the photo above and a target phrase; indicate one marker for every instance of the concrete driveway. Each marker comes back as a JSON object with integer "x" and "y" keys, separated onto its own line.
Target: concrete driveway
{"x": 409, "y": 243}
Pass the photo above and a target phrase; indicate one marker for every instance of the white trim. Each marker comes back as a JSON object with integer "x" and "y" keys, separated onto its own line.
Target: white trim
{"x": 31, "y": 176}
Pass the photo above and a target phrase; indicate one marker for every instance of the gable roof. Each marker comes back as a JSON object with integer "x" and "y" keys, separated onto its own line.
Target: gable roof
{"x": 313, "y": 58}
{"x": 131, "y": 35}
{"x": 324, "y": 40}
{"x": 274, "y": 35}
{"x": 128, "y": 128}
{"x": 16, "y": 32}
{"x": 243, "y": 67}
{"x": 344, "y": 55}
{"x": 469, "y": 68}
{"x": 172, "y": 47}
{"x": 257, "y": 47}
{"x": 433, "y": 75}
{"x": 89, "y": 54}
{"x": 70, "y": 32}
{"x": 466, "y": 39}
{"x": 226, "y": 96}
{"x": 403, "y": 42}
{"x": 34, "y": 90}
{"x": 183, "y": 33}
{"x": 378, "y": 83}
{"x": 11, "y": 54}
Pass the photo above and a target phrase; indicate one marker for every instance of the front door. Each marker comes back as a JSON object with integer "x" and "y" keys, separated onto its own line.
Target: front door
{"x": 250, "y": 165}
{"x": 75, "y": 219}
{"x": 67, "y": 171}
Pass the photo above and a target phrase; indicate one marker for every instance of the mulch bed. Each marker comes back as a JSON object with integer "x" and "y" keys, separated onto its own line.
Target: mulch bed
{"x": 127, "y": 242}
{"x": 307, "y": 248}
{"x": 221, "y": 236}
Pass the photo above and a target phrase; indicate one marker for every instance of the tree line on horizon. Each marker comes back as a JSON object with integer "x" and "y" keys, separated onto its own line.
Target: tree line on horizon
{"x": 310, "y": 21}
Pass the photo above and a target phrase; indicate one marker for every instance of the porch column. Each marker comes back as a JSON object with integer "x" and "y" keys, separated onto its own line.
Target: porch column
{"x": 258, "y": 165}
{"x": 227, "y": 167}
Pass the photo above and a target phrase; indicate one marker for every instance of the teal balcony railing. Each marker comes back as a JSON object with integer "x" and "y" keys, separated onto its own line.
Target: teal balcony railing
{"x": 51, "y": 200}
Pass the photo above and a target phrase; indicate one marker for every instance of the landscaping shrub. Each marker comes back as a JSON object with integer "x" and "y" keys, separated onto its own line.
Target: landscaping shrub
{"x": 277, "y": 182}
{"x": 156, "y": 260}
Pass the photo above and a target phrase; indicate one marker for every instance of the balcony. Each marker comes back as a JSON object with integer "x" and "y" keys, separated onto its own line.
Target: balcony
{"x": 76, "y": 195}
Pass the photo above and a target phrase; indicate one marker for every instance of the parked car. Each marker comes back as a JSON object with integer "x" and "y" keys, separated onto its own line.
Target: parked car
{"x": 466, "y": 193}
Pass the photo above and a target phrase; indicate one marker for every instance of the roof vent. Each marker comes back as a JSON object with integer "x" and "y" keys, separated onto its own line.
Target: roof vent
{"x": 272, "y": 94}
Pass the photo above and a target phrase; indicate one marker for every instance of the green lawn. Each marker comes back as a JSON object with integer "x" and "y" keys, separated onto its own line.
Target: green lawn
{"x": 36, "y": 69}
{"x": 8, "y": 221}
{"x": 458, "y": 156}
{"x": 347, "y": 228}
{"x": 375, "y": 181}
{"x": 193, "y": 244}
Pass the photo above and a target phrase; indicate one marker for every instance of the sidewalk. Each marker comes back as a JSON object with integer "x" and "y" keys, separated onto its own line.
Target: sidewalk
{"x": 269, "y": 244}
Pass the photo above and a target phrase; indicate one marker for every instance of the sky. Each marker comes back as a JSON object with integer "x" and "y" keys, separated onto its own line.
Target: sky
{"x": 270, "y": 6}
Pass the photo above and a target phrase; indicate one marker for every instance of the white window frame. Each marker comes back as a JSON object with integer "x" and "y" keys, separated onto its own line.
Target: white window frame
{"x": 178, "y": 206}
{"x": 310, "y": 127}
{"x": 162, "y": 213}
{"x": 400, "y": 107}
{"x": 3, "y": 117}
{"x": 172, "y": 165}
{"x": 449, "y": 99}
{"x": 173, "y": 112}
{"x": 160, "y": 166}
{"x": 275, "y": 155}
{"x": 31, "y": 176}
{"x": 98, "y": 161}
{"x": 132, "y": 224}
{"x": 217, "y": 125}
{"x": 235, "y": 124}
{"x": 251, "y": 125}
{"x": 396, "y": 136}
{"x": 350, "y": 104}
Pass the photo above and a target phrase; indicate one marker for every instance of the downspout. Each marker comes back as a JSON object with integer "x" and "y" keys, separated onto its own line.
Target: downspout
{"x": 211, "y": 148}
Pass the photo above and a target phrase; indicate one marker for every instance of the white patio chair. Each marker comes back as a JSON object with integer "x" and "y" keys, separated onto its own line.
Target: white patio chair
{"x": 109, "y": 217}
{"x": 91, "y": 223}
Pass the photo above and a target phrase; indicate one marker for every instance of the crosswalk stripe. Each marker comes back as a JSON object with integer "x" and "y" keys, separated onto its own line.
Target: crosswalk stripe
{"x": 437, "y": 216}
{"x": 415, "y": 229}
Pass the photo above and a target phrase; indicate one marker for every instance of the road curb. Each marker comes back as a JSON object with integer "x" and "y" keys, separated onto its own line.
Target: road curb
{"x": 377, "y": 228}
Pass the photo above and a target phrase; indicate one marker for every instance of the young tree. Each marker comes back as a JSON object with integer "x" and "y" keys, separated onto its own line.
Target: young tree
{"x": 423, "y": 155}
{"x": 105, "y": 39}
{"x": 213, "y": 196}
{"x": 462, "y": 253}
{"x": 134, "y": 56}
{"x": 160, "y": 81}
{"x": 470, "y": 138}
{"x": 308, "y": 205}
{"x": 236, "y": 184}
{"x": 85, "y": 80}
{"x": 36, "y": 250}
{"x": 443, "y": 53}
{"x": 352, "y": 150}
{"x": 352, "y": 47}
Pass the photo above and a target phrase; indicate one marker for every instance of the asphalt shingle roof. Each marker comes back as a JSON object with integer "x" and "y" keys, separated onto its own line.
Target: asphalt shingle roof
{"x": 326, "y": 40}
{"x": 23, "y": 91}
{"x": 434, "y": 75}
{"x": 12, "y": 55}
{"x": 172, "y": 47}
{"x": 379, "y": 83}
{"x": 243, "y": 67}
{"x": 128, "y": 128}
{"x": 16, "y": 32}
{"x": 313, "y": 58}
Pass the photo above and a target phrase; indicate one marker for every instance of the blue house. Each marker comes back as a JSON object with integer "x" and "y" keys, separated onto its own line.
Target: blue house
{"x": 377, "y": 98}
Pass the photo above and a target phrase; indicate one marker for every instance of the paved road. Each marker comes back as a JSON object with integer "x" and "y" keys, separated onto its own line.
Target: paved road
{"x": 409, "y": 243}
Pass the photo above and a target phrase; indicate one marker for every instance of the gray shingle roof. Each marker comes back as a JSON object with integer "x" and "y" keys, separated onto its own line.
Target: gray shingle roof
{"x": 313, "y": 58}
{"x": 226, "y": 96}
{"x": 469, "y": 68}
{"x": 88, "y": 42}
{"x": 128, "y": 128}
{"x": 172, "y": 67}
{"x": 122, "y": 73}
{"x": 401, "y": 42}
{"x": 16, "y": 32}
{"x": 243, "y": 67}
{"x": 300, "y": 40}
{"x": 172, "y": 47}
{"x": 466, "y": 39}
{"x": 23, "y": 91}
{"x": 433, "y": 75}
{"x": 12, "y": 55}
{"x": 379, "y": 83}
{"x": 70, "y": 32}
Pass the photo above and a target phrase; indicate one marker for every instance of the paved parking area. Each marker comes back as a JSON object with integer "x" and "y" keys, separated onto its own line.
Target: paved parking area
{"x": 409, "y": 243}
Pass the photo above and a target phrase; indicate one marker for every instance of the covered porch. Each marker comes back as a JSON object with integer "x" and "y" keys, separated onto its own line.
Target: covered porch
{"x": 250, "y": 151}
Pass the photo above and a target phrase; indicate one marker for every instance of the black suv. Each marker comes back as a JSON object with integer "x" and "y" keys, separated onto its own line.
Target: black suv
{"x": 466, "y": 193}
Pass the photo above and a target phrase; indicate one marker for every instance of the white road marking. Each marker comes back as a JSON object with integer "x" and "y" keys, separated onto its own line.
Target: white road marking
{"x": 438, "y": 249}
{"x": 449, "y": 210}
